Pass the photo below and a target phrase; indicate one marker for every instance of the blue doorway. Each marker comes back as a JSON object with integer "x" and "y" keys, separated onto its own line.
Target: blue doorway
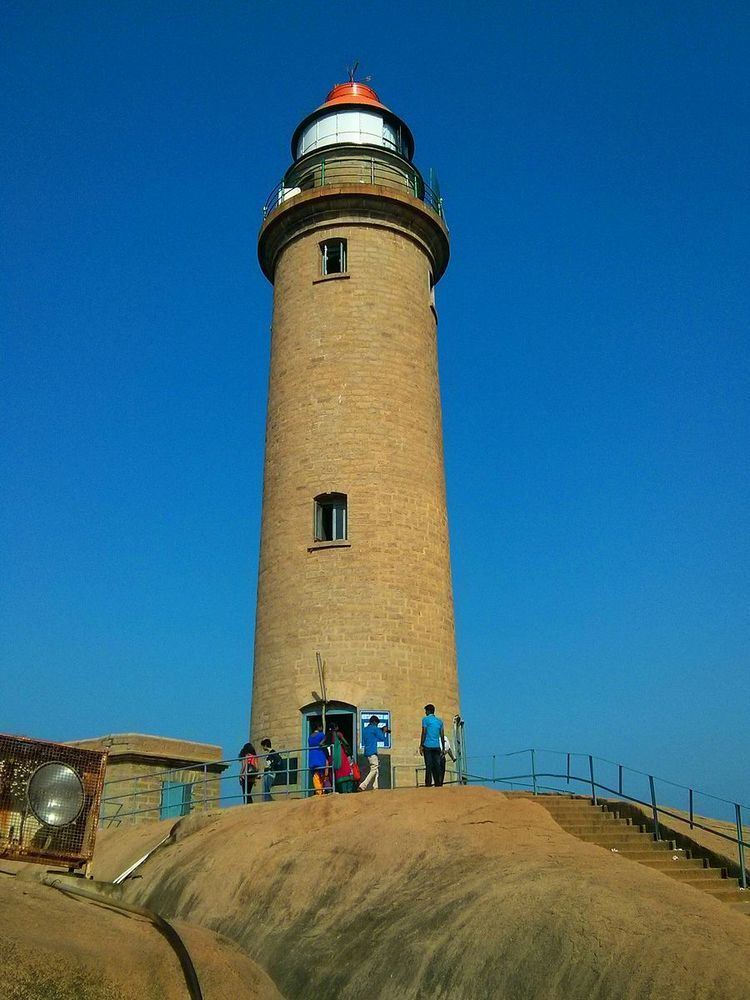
{"x": 339, "y": 713}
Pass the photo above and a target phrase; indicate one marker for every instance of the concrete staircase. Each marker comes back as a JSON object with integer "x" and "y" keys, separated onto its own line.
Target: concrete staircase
{"x": 602, "y": 825}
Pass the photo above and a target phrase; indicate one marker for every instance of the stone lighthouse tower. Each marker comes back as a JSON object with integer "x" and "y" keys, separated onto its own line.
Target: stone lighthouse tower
{"x": 354, "y": 557}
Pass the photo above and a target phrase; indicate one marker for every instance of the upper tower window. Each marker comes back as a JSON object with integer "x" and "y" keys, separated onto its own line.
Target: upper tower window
{"x": 330, "y": 517}
{"x": 333, "y": 257}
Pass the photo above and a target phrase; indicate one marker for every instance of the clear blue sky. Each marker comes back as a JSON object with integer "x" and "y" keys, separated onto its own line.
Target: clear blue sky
{"x": 593, "y": 351}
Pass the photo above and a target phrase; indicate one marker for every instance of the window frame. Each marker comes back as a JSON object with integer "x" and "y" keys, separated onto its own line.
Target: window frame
{"x": 342, "y": 253}
{"x": 338, "y": 504}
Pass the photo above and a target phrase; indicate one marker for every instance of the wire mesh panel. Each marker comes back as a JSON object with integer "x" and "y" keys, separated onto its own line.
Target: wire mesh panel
{"x": 49, "y": 801}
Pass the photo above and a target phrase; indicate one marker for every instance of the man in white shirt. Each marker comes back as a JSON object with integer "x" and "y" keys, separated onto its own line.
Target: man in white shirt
{"x": 447, "y": 752}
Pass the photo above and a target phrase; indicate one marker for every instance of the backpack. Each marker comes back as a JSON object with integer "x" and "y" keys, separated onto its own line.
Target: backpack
{"x": 251, "y": 764}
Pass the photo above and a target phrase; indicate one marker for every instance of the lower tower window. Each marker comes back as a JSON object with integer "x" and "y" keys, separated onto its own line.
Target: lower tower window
{"x": 333, "y": 257}
{"x": 330, "y": 517}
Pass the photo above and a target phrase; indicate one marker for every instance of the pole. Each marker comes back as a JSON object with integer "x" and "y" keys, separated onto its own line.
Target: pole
{"x": 593, "y": 783}
{"x": 322, "y": 677}
{"x": 533, "y": 771}
{"x": 567, "y": 769}
{"x": 691, "y": 807}
{"x": 493, "y": 768}
{"x": 619, "y": 777}
{"x": 657, "y": 835}
{"x": 740, "y": 845}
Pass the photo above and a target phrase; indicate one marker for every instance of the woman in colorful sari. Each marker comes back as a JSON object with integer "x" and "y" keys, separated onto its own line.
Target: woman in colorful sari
{"x": 342, "y": 765}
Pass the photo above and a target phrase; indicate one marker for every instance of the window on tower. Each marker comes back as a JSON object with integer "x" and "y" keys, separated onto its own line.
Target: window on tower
{"x": 333, "y": 257}
{"x": 330, "y": 517}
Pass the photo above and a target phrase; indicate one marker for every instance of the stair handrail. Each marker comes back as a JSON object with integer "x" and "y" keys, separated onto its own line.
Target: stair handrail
{"x": 595, "y": 785}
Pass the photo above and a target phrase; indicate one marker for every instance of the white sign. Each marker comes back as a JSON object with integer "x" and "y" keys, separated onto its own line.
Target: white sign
{"x": 384, "y": 719}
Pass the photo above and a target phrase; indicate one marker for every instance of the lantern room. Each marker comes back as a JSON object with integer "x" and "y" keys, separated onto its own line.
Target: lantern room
{"x": 352, "y": 115}
{"x": 353, "y": 138}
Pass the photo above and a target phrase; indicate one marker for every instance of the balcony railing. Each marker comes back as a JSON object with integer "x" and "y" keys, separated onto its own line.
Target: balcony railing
{"x": 356, "y": 169}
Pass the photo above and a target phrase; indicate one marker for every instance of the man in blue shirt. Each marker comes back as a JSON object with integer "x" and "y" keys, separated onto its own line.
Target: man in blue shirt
{"x": 432, "y": 746}
{"x": 372, "y": 734}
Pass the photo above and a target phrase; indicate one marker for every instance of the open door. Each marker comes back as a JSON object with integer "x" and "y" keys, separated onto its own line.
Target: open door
{"x": 339, "y": 713}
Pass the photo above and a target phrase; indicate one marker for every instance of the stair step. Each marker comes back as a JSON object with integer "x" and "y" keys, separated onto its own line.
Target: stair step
{"x": 615, "y": 839}
{"x": 693, "y": 877}
{"x": 570, "y": 804}
{"x": 585, "y": 811}
{"x": 654, "y": 851}
{"x": 577, "y": 807}
{"x": 582, "y": 829}
{"x": 591, "y": 822}
{"x": 728, "y": 889}
{"x": 682, "y": 864}
{"x": 578, "y": 811}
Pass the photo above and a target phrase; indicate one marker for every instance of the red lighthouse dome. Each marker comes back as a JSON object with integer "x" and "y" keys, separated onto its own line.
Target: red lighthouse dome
{"x": 354, "y": 93}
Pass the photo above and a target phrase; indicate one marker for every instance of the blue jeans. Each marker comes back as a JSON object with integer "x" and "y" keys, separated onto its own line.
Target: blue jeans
{"x": 267, "y": 786}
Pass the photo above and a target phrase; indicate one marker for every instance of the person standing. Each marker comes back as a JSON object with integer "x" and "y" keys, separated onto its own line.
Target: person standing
{"x": 447, "y": 752}
{"x": 272, "y": 765}
{"x": 372, "y": 734}
{"x": 248, "y": 771}
{"x": 431, "y": 746}
{"x": 340, "y": 761}
{"x": 317, "y": 758}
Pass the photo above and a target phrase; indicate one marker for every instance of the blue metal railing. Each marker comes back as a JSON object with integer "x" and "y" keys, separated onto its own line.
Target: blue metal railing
{"x": 353, "y": 169}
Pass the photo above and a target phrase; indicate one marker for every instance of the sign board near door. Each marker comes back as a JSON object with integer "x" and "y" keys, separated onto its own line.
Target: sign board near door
{"x": 384, "y": 719}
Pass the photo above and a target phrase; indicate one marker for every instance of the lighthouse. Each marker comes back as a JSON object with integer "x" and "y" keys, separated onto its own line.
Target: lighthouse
{"x": 355, "y": 606}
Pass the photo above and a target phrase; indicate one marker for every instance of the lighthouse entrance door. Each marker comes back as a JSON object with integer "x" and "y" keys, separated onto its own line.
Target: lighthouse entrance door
{"x": 337, "y": 713}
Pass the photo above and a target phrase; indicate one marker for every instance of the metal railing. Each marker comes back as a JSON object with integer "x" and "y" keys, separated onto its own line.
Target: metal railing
{"x": 211, "y": 785}
{"x": 216, "y": 784}
{"x": 353, "y": 169}
{"x": 560, "y": 771}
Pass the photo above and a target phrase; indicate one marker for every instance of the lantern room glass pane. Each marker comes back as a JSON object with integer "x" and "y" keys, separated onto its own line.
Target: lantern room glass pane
{"x": 371, "y": 128}
{"x": 390, "y": 137}
{"x": 348, "y": 126}
{"x": 327, "y": 127}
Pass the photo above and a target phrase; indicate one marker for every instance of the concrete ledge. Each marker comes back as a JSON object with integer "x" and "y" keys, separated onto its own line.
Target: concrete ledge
{"x": 141, "y": 747}
{"x": 351, "y": 204}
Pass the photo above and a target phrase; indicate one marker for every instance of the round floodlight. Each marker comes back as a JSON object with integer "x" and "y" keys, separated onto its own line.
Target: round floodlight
{"x": 55, "y": 794}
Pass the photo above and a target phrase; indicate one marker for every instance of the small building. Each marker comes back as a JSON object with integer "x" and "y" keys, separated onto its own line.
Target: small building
{"x": 155, "y": 777}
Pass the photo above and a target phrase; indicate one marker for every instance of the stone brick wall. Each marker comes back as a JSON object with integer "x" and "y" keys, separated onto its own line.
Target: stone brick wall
{"x": 354, "y": 408}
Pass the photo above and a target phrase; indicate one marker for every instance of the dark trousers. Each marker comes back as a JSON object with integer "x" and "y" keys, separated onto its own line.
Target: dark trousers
{"x": 246, "y": 784}
{"x": 432, "y": 769}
